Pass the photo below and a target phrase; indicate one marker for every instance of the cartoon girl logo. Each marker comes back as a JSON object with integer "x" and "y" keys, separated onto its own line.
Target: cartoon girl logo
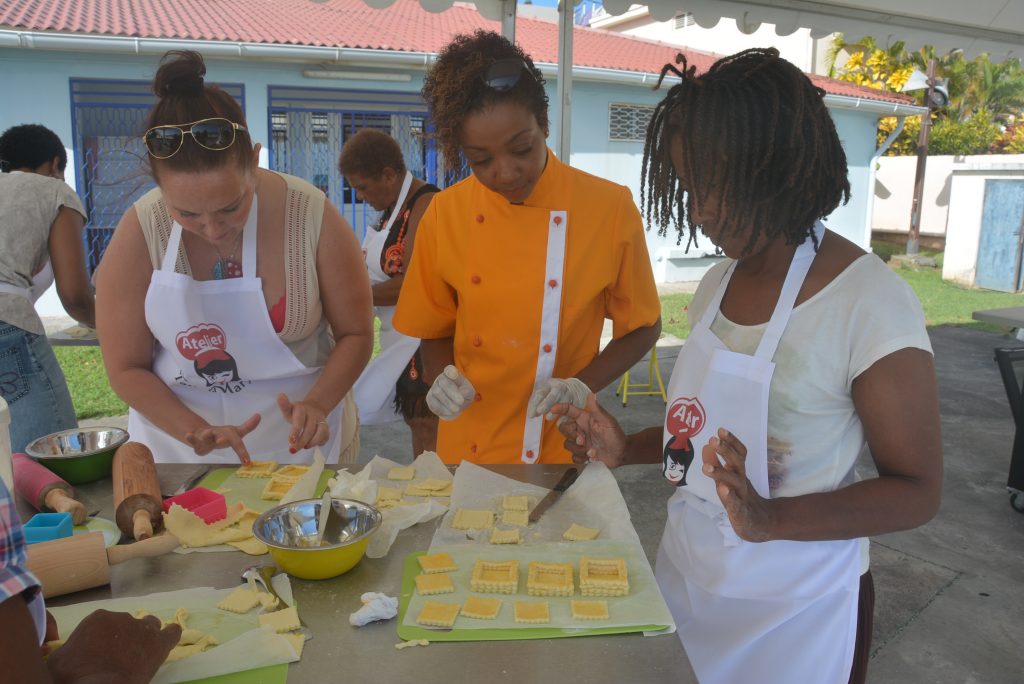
{"x": 684, "y": 420}
{"x": 206, "y": 346}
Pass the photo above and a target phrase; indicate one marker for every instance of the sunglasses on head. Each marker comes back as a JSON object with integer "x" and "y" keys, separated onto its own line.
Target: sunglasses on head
{"x": 213, "y": 134}
{"x": 503, "y": 74}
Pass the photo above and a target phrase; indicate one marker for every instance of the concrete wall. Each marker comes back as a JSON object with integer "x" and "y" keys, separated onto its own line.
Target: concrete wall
{"x": 967, "y": 198}
{"x": 894, "y": 192}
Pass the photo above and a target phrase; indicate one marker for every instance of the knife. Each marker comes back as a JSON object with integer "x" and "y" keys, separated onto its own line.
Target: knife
{"x": 568, "y": 477}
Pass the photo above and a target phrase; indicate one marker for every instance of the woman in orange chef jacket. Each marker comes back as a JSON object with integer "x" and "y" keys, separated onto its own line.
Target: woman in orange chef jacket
{"x": 233, "y": 308}
{"x": 517, "y": 266}
{"x": 805, "y": 353}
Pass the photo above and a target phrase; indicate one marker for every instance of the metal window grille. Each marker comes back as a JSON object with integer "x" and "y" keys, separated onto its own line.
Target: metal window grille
{"x": 684, "y": 19}
{"x": 110, "y": 163}
{"x": 628, "y": 122}
{"x": 310, "y": 125}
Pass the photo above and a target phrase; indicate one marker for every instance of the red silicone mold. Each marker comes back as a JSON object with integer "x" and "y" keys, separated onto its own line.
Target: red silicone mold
{"x": 207, "y": 504}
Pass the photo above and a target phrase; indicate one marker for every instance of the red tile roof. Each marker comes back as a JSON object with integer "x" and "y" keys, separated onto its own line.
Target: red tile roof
{"x": 403, "y": 26}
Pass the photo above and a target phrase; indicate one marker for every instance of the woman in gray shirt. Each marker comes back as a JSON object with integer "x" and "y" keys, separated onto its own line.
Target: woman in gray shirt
{"x": 41, "y": 220}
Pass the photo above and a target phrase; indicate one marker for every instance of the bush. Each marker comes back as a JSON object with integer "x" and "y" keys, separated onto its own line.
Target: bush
{"x": 974, "y": 136}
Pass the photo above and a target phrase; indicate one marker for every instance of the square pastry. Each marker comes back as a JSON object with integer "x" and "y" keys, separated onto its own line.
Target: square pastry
{"x": 515, "y": 503}
{"x": 532, "y": 612}
{"x": 495, "y": 577}
{"x": 436, "y": 562}
{"x": 520, "y": 518}
{"x": 291, "y": 472}
{"x": 436, "y": 583}
{"x": 256, "y": 469}
{"x": 481, "y": 608}
{"x": 603, "y": 577}
{"x": 402, "y": 473}
{"x": 434, "y": 614}
{"x": 589, "y": 610}
{"x": 549, "y": 579}
{"x": 276, "y": 489}
{"x": 506, "y": 536}
{"x": 580, "y": 533}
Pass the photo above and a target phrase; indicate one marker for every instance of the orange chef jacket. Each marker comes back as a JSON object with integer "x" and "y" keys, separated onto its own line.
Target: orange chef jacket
{"x": 478, "y": 275}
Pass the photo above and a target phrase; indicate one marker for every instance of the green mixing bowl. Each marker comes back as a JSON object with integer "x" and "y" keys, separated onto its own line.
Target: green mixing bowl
{"x": 79, "y": 456}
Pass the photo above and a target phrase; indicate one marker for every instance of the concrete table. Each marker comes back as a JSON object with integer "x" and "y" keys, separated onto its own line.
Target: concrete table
{"x": 1011, "y": 317}
{"x": 340, "y": 652}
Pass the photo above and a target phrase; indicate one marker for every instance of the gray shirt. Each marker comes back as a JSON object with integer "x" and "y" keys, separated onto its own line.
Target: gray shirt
{"x": 29, "y": 204}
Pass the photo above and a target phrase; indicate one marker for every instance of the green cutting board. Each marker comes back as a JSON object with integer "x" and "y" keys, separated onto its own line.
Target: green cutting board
{"x": 247, "y": 490}
{"x": 411, "y": 568}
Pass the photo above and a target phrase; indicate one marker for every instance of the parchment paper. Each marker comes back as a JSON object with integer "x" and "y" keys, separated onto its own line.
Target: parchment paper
{"x": 643, "y": 606}
{"x": 244, "y": 645}
{"x": 594, "y": 500}
{"x": 363, "y": 486}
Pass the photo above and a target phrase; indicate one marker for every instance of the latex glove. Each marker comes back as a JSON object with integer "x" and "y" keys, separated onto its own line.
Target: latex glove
{"x": 376, "y": 606}
{"x": 553, "y": 391}
{"x": 450, "y": 394}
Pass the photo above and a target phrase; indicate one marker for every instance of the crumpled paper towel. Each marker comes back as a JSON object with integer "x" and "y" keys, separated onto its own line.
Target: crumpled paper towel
{"x": 376, "y": 606}
{"x": 362, "y": 486}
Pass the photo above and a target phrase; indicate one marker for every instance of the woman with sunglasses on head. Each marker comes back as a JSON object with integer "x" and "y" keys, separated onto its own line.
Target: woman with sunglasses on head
{"x": 41, "y": 220}
{"x": 233, "y": 306}
{"x": 517, "y": 267}
{"x": 805, "y": 353}
{"x": 392, "y": 386}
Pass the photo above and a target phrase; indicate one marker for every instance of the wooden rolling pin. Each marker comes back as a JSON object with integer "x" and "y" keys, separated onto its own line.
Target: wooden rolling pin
{"x": 81, "y": 562}
{"x": 137, "y": 500}
{"x": 44, "y": 490}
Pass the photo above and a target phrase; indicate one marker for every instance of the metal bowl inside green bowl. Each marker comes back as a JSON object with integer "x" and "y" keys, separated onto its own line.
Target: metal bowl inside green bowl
{"x": 81, "y": 455}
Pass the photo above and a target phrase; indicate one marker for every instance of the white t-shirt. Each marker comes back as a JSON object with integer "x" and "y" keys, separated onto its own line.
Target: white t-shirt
{"x": 814, "y": 433}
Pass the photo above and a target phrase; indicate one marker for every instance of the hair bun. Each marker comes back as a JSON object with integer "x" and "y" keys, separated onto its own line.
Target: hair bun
{"x": 180, "y": 74}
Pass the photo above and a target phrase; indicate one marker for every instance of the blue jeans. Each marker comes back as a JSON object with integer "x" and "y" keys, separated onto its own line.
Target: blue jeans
{"x": 33, "y": 385}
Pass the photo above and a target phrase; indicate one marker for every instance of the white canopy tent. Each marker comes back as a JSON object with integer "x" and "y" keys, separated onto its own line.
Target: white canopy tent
{"x": 992, "y": 26}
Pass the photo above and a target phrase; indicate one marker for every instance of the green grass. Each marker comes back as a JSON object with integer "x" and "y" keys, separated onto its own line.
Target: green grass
{"x": 944, "y": 304}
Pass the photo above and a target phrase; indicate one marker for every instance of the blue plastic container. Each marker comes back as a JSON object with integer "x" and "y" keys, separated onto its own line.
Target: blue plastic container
{"x": 43, "y": 527}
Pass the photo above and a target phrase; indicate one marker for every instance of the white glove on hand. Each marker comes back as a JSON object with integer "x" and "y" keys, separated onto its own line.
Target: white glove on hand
{"x": 450, "y": 394}
{"x": 556, "y": 391}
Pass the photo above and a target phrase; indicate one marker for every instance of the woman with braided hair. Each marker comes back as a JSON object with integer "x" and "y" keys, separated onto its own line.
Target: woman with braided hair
{"x": 805, "y": 353}
{"x": 517, "y": 266}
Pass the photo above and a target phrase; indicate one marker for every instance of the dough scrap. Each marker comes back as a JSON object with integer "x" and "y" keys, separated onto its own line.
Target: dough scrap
{"x": 402, "y": 473}
{"x": 466, "y": 519}
{"x": 193, "y": 532}
{"x": 437, "y": 562}
{"x": 297, "y": 640}
{"x": 181, "y": 652}
{"x": 515, "y": 503}
{"x": 435, "y": 485}
{"x": 285, "y": 620}
{"x": 241, "y": 600}
{"x": 589, "y": 610}
{"x": 531, "y": 612}
{"x": 251, "y": 546}
{"x": 410, "y": 643}
{"x": 549, "y": 579}
{"x": 416, "y": 490}
{"x": 256, "y": 469}
{"x": 603, "y": 577}
{"x": 437, "y": 583}
{"x": 495, "y": 577}
{"x": 580, "y": 533}
{"x": 520, "y": 518}
{"x": 506, "y": 536}
{"x": 481, "y": 608}
{"x": 436, "y": 614}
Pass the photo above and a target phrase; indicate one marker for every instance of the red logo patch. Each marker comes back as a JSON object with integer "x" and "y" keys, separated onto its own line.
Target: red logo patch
{"x": 200, "y": 340}
{"x": 685, "y": 419}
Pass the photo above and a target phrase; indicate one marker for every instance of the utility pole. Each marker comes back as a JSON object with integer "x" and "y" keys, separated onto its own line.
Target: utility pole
{"x": 922, "y": 160}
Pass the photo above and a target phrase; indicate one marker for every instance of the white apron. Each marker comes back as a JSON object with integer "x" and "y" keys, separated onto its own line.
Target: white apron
{"x": 374, "y": 391}
{"x": 774, "y": 612}
{"x": 217, "y": 350}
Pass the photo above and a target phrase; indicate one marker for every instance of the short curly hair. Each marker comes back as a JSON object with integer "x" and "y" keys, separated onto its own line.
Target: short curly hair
{"x": 30, "y": 146}
{"x": 369, "y": 152}
{"x": 454, "y": 87}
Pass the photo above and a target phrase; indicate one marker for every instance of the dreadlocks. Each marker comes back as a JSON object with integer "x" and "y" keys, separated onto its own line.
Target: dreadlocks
{"x": 756, "y": 138}
{"x": 454, "y": 87}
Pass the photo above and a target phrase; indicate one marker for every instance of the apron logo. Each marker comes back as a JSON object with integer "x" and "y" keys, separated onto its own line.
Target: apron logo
{"x": 684, "y": 421}
{"x": 206, "y": 346}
